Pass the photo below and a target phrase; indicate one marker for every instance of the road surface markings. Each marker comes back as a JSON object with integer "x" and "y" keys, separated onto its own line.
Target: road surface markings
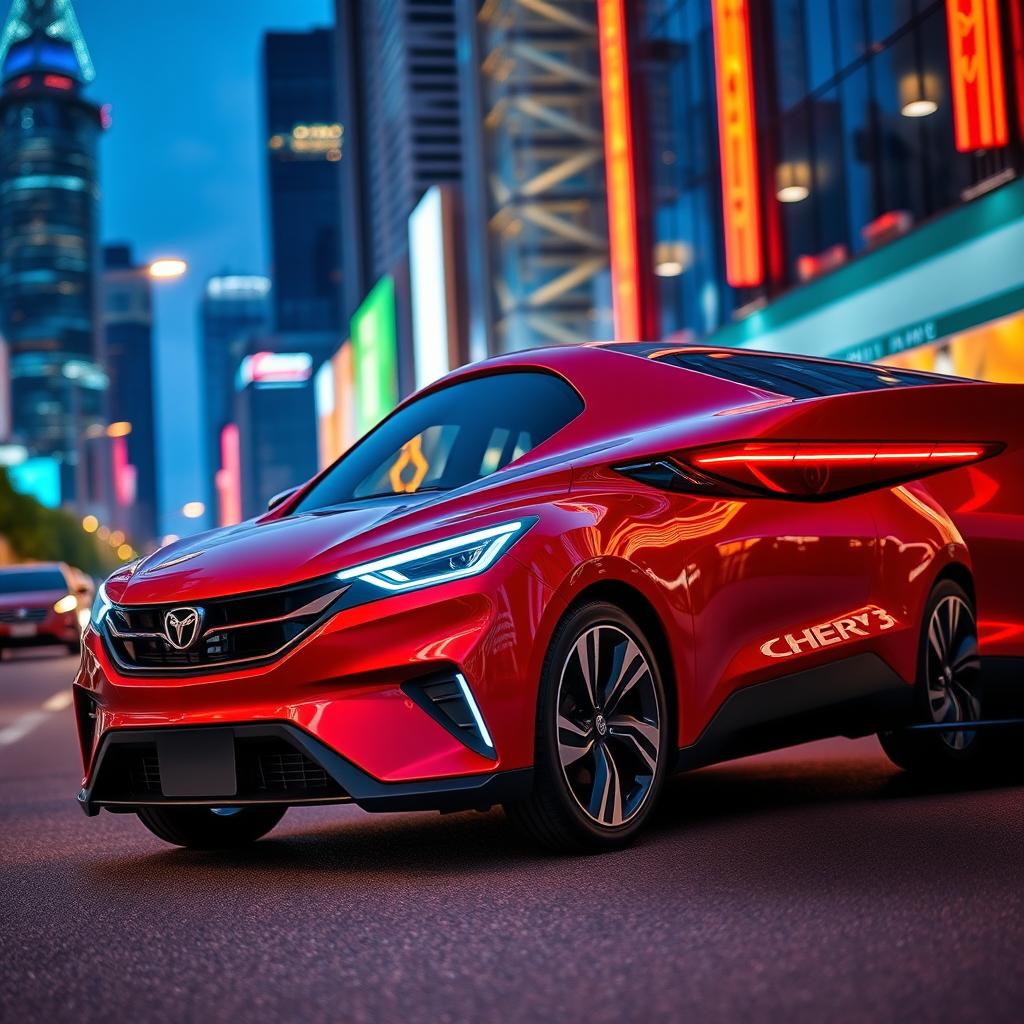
{"x": 21, "y": 727}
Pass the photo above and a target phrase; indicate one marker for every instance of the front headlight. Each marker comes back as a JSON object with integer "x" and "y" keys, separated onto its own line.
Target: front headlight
{"x": 66, "y": 604}
{"x": 440, "y": 562}
{"x": 100, "y": 606}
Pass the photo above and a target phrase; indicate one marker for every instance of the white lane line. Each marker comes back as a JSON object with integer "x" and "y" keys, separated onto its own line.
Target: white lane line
{"x": 21, "y": 727}
{"x": 59, "y": 701}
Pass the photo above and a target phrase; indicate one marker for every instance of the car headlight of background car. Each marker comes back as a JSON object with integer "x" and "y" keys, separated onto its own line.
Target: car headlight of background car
{"x": 66, "y": 604}
{"x": 440, "y": 562}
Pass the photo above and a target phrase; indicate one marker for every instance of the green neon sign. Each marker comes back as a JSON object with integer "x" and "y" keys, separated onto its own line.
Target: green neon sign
{"x": 375, "y": 355}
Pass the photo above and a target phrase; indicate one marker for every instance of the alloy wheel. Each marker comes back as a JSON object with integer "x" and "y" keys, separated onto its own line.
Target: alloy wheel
{"x": 609, "y": 725}
{"x": 953, "y": 669}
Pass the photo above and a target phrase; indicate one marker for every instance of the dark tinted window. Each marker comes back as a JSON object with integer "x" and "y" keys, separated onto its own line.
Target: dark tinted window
{"x": 450, "y": 437}
{"x": 795, "y": 377}
{"x": 22, "y": 581}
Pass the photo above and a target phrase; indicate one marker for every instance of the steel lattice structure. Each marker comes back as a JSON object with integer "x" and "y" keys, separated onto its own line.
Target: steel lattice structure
{"x": 544, "y": 171}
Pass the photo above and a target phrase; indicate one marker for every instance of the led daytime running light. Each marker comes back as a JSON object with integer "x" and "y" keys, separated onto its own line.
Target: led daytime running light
{"x": 383, "y": 572}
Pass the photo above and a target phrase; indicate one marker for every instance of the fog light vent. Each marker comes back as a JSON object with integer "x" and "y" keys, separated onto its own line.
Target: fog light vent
{"x": 449, "y": 700}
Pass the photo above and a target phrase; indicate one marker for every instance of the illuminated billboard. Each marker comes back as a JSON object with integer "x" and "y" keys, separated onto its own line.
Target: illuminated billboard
{"x": 229, "y": 477}
{"x": 619, "y": 170}
{"x": 334, "y": 391}
{"x": 275, "y": 369}
{"x": 375, "y": 355}
{"x": 737, "y": 140}
{"x": 38, "y": 478}
{"x": 976, "y": 72}
{"x": 433, "y": 277}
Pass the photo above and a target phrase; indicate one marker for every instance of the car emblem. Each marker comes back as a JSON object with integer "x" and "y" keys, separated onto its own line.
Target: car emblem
{"x": 181, "y": 627}
{"x": 22, "y": 613}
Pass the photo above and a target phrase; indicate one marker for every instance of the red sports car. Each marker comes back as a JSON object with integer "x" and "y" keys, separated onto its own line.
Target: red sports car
{"x": 39, "y": 604}
{"x": 551, "y": 579}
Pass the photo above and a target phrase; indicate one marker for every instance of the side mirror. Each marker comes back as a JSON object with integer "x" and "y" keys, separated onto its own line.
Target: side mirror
{"x": 280, "y": 498}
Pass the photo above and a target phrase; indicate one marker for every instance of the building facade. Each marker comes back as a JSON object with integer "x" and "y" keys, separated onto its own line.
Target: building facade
{"x": 49, "y": 194}
{"x": 304, "y": 140}
{"x": 131, "y": 396}
{"x": 235, "y": 309}
{"x": 834, "y": 178}
{"x": 276, "y": 423}
{"x": 398, "y": 93}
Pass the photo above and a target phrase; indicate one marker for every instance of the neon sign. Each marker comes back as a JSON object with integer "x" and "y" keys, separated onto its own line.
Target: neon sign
{"x": 741, "y": 207}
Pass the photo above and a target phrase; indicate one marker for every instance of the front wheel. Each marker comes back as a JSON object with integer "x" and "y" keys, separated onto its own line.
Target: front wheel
{"x": 948, "y": 688}
{"x": 602, "y": 740}
{"x": 210, "y": 828}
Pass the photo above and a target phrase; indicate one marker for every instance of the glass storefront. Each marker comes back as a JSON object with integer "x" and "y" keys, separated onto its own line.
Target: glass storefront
{"x": 856, "y": 141}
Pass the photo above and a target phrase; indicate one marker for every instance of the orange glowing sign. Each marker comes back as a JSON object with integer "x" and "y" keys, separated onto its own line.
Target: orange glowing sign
{"x": 619, "y": 170}
{"x": 737, "y": 140}
{"x": 976, "y": 67}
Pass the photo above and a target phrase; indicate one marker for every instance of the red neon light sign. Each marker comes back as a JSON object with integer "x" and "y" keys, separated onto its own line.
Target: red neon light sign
{"x": 228, "y": 479}
{"x": 124, "y": 474}
{"x": 619, "y": 169}
{"x": 737, "y": 140}
{"x": 58, "y": 82}
{"x": 976, "y": 68}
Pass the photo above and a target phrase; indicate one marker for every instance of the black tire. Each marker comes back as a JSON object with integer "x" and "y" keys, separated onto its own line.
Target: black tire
{"x": 202, "y": 828}
{"x": 622, "y": 731}
{"x": 948, "y": 689}
{"x": 74, "y": 648}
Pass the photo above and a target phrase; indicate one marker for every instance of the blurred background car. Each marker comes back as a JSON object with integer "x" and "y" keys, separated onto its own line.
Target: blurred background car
{"x": 40, "y": 604}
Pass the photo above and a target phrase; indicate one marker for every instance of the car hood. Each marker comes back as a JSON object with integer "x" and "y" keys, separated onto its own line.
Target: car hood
{"x": 31, "y": 598}
{"x": 261, "y": 554}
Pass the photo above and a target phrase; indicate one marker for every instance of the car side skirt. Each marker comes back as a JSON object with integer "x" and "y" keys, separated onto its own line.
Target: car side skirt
{"x": 851, "y": 697}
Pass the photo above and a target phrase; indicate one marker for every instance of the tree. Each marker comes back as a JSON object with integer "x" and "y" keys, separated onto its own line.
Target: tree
{"x": 37, "y": 533}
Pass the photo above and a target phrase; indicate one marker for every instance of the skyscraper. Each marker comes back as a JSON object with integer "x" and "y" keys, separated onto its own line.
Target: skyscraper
{"x": 535, "y": 195}
{"x": 48, "y": 225}
{"x": 235, "y": 308}
{"x": 304, "y": 140}
{"x": 128, "y": 343}
{"x": 398, "y": 94}
{"x": 274, "y": 411}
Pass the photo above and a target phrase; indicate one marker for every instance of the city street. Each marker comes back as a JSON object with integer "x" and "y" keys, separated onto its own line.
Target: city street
{"x": 813, "y": 884}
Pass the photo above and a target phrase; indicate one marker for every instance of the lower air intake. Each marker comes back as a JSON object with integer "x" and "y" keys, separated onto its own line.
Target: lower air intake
{"x": 449, "y": 700}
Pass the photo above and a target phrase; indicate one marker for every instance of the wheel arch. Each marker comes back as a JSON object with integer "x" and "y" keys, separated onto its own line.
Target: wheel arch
{"x": 960, "y": 574}
{"x": 639, "y": 608}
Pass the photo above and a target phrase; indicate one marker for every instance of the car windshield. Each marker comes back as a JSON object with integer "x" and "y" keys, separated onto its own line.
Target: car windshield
{"x": 450, "y": 437}
{"x": 24, "y": 581}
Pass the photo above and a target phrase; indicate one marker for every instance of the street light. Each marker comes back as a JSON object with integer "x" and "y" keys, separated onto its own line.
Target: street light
{"x": 193, "y": 509}
{"x": 167, "y": 267}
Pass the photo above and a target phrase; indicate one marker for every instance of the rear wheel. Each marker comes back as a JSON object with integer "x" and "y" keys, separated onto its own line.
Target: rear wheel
{"x": 948, "y": 688}
{"x": 602, "y": 734}
{"x": 210, "y": 828}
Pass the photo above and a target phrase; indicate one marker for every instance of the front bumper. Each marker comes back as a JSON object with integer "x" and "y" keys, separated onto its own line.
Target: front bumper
{"x": 347, "y": 688}
{"x": 54, "y": 629}
{"x": 269, "y": 763}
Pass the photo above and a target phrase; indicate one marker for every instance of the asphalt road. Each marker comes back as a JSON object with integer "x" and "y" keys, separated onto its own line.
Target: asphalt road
{"x": 817, "y": 884}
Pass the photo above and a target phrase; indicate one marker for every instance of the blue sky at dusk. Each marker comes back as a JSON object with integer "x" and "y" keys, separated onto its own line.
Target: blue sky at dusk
{"x": 182, "y": 170}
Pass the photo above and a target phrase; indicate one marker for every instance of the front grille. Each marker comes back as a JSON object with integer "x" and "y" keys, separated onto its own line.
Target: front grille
{"x": 145, "y": 773}
{"x": 266, "y": 767}
{"x": 12, "y": 616}
{"x": 235, "y": 630}
{"x": 290, "y": 770}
